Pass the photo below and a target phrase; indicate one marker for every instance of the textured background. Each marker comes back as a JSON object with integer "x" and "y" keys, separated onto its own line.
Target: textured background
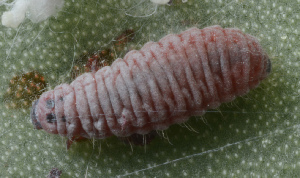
{"x": 256, "y": 135}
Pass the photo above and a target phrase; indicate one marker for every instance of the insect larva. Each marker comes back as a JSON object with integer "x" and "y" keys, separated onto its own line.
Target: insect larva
{"x": 164, "y": 83}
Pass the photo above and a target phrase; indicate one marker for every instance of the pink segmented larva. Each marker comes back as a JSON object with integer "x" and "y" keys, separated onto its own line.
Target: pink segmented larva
{"x": 161, "y": 84}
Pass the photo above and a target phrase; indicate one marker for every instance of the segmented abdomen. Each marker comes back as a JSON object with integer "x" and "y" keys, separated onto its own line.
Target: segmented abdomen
{"x": 161, "y": 84}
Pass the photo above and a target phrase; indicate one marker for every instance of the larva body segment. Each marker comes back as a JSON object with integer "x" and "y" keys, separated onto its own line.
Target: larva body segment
{"x": 161, "y": 84}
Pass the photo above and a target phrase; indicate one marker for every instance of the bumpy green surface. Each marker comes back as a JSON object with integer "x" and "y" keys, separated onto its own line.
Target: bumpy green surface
{"x": 256, "y": 135}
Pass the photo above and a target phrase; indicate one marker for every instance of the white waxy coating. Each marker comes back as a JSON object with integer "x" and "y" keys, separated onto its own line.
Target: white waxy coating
{"x": 160, "y": 1}
{"x": 36, "y": 10}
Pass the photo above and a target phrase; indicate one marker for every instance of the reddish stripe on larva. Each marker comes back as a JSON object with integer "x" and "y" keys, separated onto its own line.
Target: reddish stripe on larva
{"x": 161, "y": 84}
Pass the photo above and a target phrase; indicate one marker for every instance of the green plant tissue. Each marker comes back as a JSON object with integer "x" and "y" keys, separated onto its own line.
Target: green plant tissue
{"x": 257, "y": 135}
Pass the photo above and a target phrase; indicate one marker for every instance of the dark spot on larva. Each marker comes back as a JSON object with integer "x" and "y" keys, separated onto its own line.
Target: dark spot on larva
{"x": 63, "y": 118}
{"x": 61, "y": 98}
{"x": 51, "y": 118}
{"x": 269, "y": 66}
{"x": 50, "y": 104}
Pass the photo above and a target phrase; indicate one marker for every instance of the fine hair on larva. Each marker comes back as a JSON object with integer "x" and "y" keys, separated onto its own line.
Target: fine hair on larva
{"x": 163, "y": 83}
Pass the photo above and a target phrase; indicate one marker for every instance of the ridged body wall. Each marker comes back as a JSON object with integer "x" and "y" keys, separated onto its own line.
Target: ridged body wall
{"x": 163, "y": 83}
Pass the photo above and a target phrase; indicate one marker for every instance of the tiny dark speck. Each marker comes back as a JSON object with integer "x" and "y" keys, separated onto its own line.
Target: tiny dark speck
{"x": 63, "y": 118}
{"x": 54, "y": 173}
{"x": 269, "y": 66}
{"x": 51, "y": 118}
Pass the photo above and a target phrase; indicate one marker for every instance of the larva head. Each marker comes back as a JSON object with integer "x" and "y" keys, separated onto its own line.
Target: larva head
{"x": 43, "y": 113}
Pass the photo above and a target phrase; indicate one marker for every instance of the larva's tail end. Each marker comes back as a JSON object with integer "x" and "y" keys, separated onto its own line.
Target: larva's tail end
{"x": 34, "y": 119}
